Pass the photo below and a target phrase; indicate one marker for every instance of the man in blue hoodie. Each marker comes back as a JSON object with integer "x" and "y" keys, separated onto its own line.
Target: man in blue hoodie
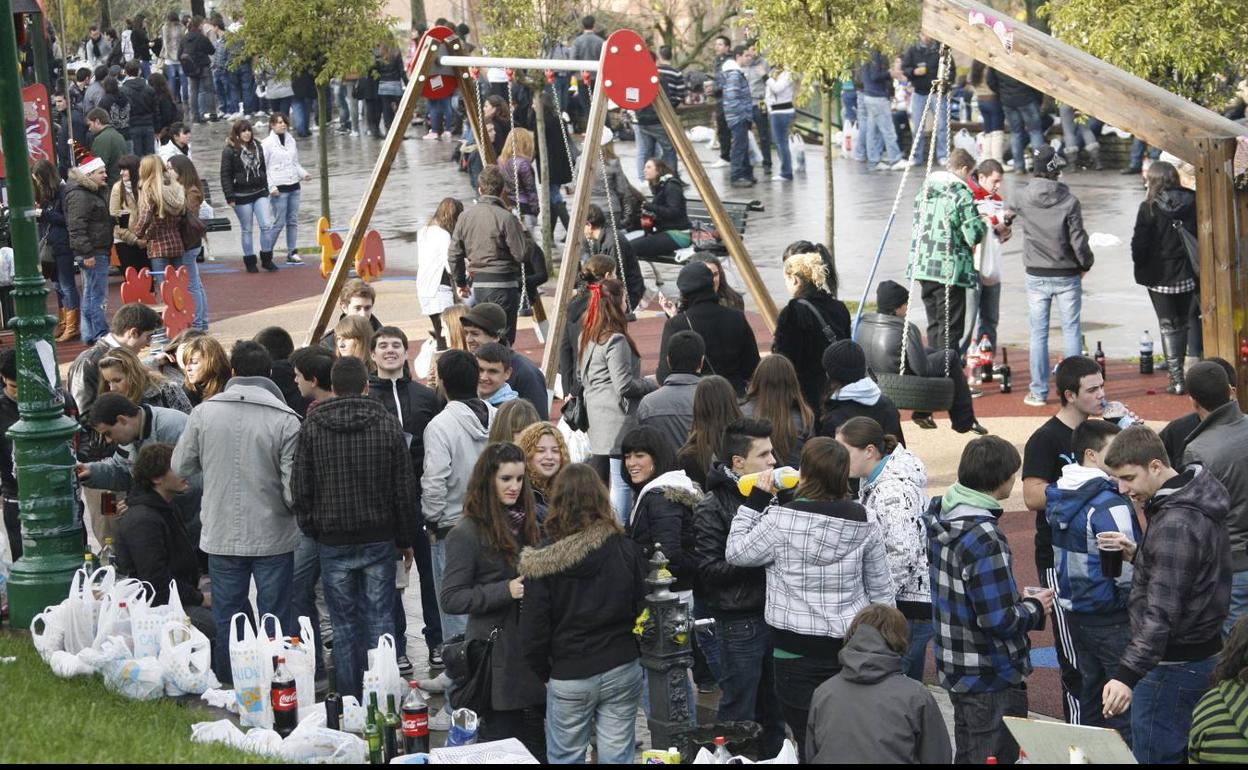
{"x": 1082, "y": 504}
{"x": 981, "y": 623}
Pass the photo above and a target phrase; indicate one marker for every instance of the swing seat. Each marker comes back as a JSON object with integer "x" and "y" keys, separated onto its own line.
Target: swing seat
{"x": 918, "y": 394}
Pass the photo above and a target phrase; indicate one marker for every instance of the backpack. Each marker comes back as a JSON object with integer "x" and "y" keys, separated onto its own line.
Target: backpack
{"x": 119, "y": 114}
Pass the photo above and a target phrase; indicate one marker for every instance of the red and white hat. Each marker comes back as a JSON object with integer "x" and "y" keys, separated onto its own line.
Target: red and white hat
{"x": 85, "y": 160}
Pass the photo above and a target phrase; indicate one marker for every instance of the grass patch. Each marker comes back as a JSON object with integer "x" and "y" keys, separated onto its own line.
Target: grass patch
{"x": 77, "y": 721}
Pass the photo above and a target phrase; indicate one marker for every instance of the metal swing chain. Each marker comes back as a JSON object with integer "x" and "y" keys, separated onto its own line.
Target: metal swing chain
{"x": 947, "y": 266}
{"x": 615, "y": 230}
{"x": 525, "y": 303}
{"x": 563, "y": 129}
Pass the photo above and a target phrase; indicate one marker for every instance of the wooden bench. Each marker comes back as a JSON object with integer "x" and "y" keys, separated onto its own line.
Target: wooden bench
{"x": 738, "y": 213}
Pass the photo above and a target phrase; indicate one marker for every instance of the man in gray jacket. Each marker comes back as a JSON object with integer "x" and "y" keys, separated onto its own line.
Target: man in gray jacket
{"x": 1056, "y": 255}
{"x": 243, "y": 442}
{"x": 669, "y": 410}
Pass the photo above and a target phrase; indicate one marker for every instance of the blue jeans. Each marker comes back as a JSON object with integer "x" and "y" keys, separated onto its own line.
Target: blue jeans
{"x": 621, "y": 494}
{"x": 95, "y": 300}
{"x": 281, "y": 105}
{"x": 881, "y": 136}
{"x": 1073, "y": 133}
{"x": 261, "y": 210}
{"x": 780, "y": 122}
{"x": 286, "y": 215}
{"x": 993, "y": 114}
{"x": 1138, "y": 149}
{"x": 857, "y": 116}
{"x": 221, "y": 85}
{"x": 359, "y": 591}
{"x": 231, "y": 578}
{"x": 1098, "y": 648}
{"x": 989, "y": 312}
{"x": 1239, "y": 601}
{"x": 202, "y": 97}
{"x": 243, "y": 87}
{"x": 608, "y": 700}
{"x": 144, "y": 140}
{"x": 66, "y": 284}
{"x": 1024, "y": 127}
{"x": 306, "y": 576}
{"x": 939, "y": 114}
{"x": 915, "y": 659}
{"x": 177, "y": 80}
{"x": 1161, "y": 710}
{"x": 1042, "y": 293}
{"x": 740, "y": 153}
{"x": 301, "y": 111}
{"x": 652, "y": 142}
{"x": 747, "y": 679}
{"x": 452, "y": 625}
{"x": 439, "y": 115}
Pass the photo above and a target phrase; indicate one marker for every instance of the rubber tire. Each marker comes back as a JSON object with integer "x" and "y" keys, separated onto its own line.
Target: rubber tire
{"x": 919, "y": 394}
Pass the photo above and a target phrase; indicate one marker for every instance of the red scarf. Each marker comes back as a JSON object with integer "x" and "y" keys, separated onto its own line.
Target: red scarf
{"x": 595, "y": 297}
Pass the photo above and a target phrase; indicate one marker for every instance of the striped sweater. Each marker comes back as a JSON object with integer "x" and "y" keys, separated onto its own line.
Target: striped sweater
{"x": 1220, "y": 725}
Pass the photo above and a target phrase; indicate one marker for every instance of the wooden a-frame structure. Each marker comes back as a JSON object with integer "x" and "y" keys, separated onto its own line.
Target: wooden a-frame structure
{"x": 431, "y": 53}
{"x": 1162, "y": 119}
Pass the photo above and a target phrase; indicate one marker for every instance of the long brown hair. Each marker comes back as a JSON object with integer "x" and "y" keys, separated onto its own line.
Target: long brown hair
{"x": 528, "y": 441}
{"x": 605, "y": 315}
{"x": 714, "y": 406}
{"x": 578, "y": 500}
{"x": 1233, "y": 662}
{"x": 512, "y": 418}
{"x": 862, "y": 432}
{"x": 188, "y": 176}
{"x": 776, "y": 394}
{"x": 46, "y": 180}
{"x": 213, "y": 361}
{"x": 447, "y": 213}
{"x": 1161, "y": 176}
{"x": 825, "y": 470}
{"x": 137, "y": 377}
{"x": 485, "y": 510}
{"x": 236, "y": 132}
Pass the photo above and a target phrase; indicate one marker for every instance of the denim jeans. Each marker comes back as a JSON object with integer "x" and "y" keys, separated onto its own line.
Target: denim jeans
{"x": 1042, "y": 293}
{"x": 262, "y": 211}
{"x": 359, "y": 590}
{"x": 979, "y": 729}
{"x": 452, "y": 625}
{"x": 1239, "y": 601}
{"x": 95, "y": 300}
{"x": 914, "y": 661}
{"x": 1073, "y": 132}
{"x": 177, "y": 79}
{"x": 989, "y": 312}
{"x": 428, "y": 594}
{"x": 740, "y": 154}
{"x": 1024, "y": 127}
{"x": 858, "y": 116}
{"x": 1098, "y": 648}
{"x": 66, "y": 284}
{"x": 993, "y": 114}
{"x": 796, "y": 682}
{"x": 196, "y": 286}
{"x": 939, "y": 114}
{"x": 621, "y": 493}
{"x": 652, "y": 142}
{"x": 144, "y": 140}
{"x": 439, "y": 114}
{"x": 780, "y": 122}
{"x": 302, "y": 111}
{"x": 243, "y": 85}
{"x": 202, "y": 97}
{"x": 1138, "y": 149}
{"x": 747, "y": 678}
{"x": 763, "y": 125}
{"x": 281, "y": 105}
{"x": 881, "y": 134}
{"x": 609, "y": 700}
{"x": 1161, "y": 710}
{"x": 342, "y": 93}
{"x": 306, "y": 576}
{"x": 230, "y": 577}
{"x": 221, "y": 86}
{"x": 285, "y": 207}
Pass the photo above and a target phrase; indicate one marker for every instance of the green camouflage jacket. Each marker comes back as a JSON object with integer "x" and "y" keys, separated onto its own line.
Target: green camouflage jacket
{"x": 946, "y": 228}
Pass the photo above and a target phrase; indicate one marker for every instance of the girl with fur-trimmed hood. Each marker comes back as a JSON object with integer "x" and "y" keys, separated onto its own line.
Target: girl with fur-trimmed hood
{"x": 662, "y": 515}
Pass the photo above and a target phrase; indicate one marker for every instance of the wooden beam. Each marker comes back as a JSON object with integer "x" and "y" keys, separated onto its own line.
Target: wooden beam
{"x": 570, "y": 267}
{"x": 723, "y": 223}
{"x": 1222, "y": 229}
{"x": 1077, "y": 78}
{"x": 381, "y": 171}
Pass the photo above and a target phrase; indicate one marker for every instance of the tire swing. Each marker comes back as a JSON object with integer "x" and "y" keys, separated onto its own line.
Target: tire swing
{"x": 909, "y": 391}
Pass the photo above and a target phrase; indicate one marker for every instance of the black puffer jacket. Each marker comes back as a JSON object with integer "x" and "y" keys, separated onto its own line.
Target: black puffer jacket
{"x": 244, "y": 178}
{"x": 86, "y": 213}
{"x": 142, "y": 102}
{"x": 1013, "y": 93}
{"x": 728, "y": 591}
{"x": 668, "y": 205}
{"x": 800, "y": 338}
{"x": 52, "y": 223}
{"x": 879, "y": 336}
{"x": 663, "y": 515}
{"x": 1156, "y": 246}
{"x": 153, "y": 546}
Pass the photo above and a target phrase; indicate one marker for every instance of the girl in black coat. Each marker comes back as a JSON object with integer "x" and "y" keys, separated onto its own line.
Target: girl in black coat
{"x": 812, "y": 320}
{"x": 1163, "y": 265}
{"x": 50, "y": 197}
{"x": 663, "y": 513}
{"x": 667, "y": 206}
{"x": 245, "y": 183}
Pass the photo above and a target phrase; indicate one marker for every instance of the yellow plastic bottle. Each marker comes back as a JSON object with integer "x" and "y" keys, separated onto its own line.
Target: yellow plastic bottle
{"x": 785, "y": 478}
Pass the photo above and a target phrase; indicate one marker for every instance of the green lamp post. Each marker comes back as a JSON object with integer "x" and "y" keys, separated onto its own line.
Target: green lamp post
{"x": 51, "y": 538}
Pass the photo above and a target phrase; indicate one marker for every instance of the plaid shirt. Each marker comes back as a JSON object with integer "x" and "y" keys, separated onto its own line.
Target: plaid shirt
{"x": 981, "y": 625}
{"x": 163, "y": 236}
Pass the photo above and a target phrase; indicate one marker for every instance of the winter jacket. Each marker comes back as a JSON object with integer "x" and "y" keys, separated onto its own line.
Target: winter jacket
{"x": 1219, "y": 731}
{"x": 896, "y": 499}
{"x": 947, "y": 228}
{"x": 117, "y": 106}
{"x": 153, "y": 546}
{"x": 413, "y": 405}
{"x": 142, "y": 46}
{"x": 860, "y": 399}
{"x": 871, "y": 713}
{"x": 165, "y": 113}
{"x": 611, "y": 374}
{"x": 663, "y": 517}
{"x": 738, "y": 107}
{"x": 244, "y": 177}
{"x": 454, "y": 439}
{"x": 669, "y": 410}
{"x": 86, "y": 212}
{"x": 587, "y": 46}
{"x": 195, "y": 54}
{"x": 1157, "y": 248}
{"x": 194, "y": 200}
{"x": 877, "y": 80}
{"x": 929, "y": 56}
{"x": 879, "y": 336}
{"x": 668, "y": 205}
{"x": 114, "y": 473}
{"x": 525, "y": 196}
{"x": 825, "y": 562}
{"x": 529, "y": 383}
{"x": 799, "y": 337}
{"x": 1083, "y": 503}
{"x": 728, "y": 591}
{"x": 488, "y": 245}
{"x": 172, "y": 33}
{"x": 1218, "y": 444}
{"x": 559, "y": 165}
{"x": 1174, "y": 436}
{"x": 142, "y": 101}
{"x": 474, "y": 583}
{"x": 352, "y": 481}
{"x": 53, "y": 224}
{"x": 122, "y": 203}
{"x": 109, "y": 145}
{"x": 731, "y": 347}
{"x": 243, "y": 441}
{"x": 281, "y": 162}
{"x": 1182, "y": 589}
{"x": 988, "y": 256}
{"x": 1011, "y": 92}
{"x": 1052, "y": 218}
{"x": 162, "y": 234}
{"x": 569, "y": 346}
{"x": 582, "y": 595}
{"x": 283, "y": 376}
{"x": 981, "y": 625}
{"x": 623, "y": 256}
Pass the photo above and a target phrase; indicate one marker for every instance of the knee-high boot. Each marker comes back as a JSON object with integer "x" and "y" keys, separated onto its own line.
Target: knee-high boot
{"x": 1174, "y": 343}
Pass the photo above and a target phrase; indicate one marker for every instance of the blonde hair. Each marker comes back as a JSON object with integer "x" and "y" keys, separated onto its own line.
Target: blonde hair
{"x": 137, "y": 377}
{"x": 808, "y": 267}
{"x": 511, "y": 419}
{"x": 152, "y": 184}
{"x": 519, "y": 143}
{"x": 528, "y": 440}
{"x": 453, "y": 326}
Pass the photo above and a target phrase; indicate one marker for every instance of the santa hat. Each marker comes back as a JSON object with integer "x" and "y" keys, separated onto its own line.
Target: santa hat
{"x": 85, "y": 161}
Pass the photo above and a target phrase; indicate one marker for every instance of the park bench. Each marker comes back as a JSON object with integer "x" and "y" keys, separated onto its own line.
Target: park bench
{"x": 705, "y": 236}
{"x": 215, "y": 224}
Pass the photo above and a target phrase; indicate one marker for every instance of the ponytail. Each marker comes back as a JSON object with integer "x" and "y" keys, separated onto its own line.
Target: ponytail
{"x": 862, "y": 432}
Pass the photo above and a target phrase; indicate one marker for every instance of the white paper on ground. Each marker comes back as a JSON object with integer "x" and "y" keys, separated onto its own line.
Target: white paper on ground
{"x": 506, "y": 752}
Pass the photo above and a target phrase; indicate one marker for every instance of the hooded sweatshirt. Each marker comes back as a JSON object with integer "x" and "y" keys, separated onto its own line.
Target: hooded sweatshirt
{"x": 1056, "y": 243}
{"x": 980, "y": 623}
{"x": 1083, "y": 503}
{"x": 454, "y": 439}
{"x": 947, "y": 228}
{"x": 861, "y": 399}
{"x": 895, "y": 499}
{"x": 1219, "y": 731}
{"x": 663, "y": 516}
{"x": 871, "y": 713}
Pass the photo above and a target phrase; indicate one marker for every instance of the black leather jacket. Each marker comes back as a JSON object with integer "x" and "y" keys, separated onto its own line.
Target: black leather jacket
{"x": 727, "y": 590}
{"x": 880, "y": 338}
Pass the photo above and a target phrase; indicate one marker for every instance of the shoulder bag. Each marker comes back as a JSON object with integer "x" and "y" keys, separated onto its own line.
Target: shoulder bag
{"x": 470, "y": 664}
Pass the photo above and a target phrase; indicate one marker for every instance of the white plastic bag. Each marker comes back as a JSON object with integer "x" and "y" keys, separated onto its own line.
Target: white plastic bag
{"x": 222, "y": 699}
{"x": 205, "y": 210}
{"x": 704, "y": 134}
{"x": 86, "y": 593}
{"x": 186, "y": 657}
{"x": 136, "y": 678}
{"x": 797, "y": 150}
{"x": 263, "y": 741}
{"x": 964, "y": 140}
{"x": 114, "y": 618}
{"x": 221, "y": 731}
{"x": 301, "y": 663}
{"x": 382, "y": 675}
{"x": 47, "y": 630}
{"x": 848, "y": 135}
{"x": 579, "y": 450}
{"x": 147, "y": 622}
{"x": 317, "y": 744}
{"x": 252, "y": 669}
{"x": 353, "y": 714}
{"x": 65, "y": 665}
{"x": 756, "y": 154}
{"x": 114, "y": 649}
{"x": 424, "y": 359}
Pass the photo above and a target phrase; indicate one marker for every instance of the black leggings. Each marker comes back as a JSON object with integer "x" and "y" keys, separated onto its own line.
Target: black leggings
{"x": 655, "y": 245}
{"x": 1174, "y": 316}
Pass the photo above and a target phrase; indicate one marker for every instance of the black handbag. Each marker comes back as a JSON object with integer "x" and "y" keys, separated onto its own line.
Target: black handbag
{"x": 470, "y": 664}
{"x": 574, "y": 411}
{"x": 1191, "y": 246}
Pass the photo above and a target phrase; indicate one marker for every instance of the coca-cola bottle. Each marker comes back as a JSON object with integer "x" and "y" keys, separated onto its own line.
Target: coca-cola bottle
{"x": 985, "y": 359}
{"x": 285, "y": 702}
{"x": 415, "y": 722}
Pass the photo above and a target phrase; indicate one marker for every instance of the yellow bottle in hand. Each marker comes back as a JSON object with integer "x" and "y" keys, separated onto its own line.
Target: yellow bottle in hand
{"x": 785, "y": 478}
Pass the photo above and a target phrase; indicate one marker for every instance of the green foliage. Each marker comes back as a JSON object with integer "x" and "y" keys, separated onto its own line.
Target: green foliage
{"x": 1192, "y": 47}
{"x": 79, "y": 16}
{"x": 527, "y": 28}
{"x": 334, "y": 37}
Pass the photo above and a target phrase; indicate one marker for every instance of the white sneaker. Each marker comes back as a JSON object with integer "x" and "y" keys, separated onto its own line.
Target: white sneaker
{"x": 354, "y": 132}
{"x": 446, "y": 135}
{"x": 720, "y": 163}
{"x": 881, "y": 166}
{"x": 1034, "y": 400}
{"x": 293, "y": 259}
{"x": 436, "y": 685}
{"x": 778, "y": 178}
{"x": 431, "y": 137}
{"x": 236, "y": 116}
{"x": 900, "y": 165}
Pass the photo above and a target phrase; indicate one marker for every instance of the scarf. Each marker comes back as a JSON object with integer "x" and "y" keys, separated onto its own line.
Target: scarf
{"x": 253, "y": 162}
{"x": 516, "y": 522}
{"x": 595, "y": 298}
{"x": 864, "y": 391}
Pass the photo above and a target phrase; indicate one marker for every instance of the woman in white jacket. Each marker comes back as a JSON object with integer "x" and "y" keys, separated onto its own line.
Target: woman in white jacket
{"x": 281, "y": 159}
{"x": 894, "y": 492}
{"x": 433, "y": 277}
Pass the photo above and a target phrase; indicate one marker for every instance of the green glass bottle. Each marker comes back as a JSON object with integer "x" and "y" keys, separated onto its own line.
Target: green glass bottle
{"x": 390, "y": 730}
{"x": 372, "y": 734}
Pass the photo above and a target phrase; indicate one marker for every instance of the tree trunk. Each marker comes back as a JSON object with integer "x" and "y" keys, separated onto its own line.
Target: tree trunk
{"x": 198, "y": 9}
{"x": 106, "y": 18}
{"x": 543, "y": 187}
{"x": 418, "y": 12}
{"x": 322, "y": 145}
{"x": 827, "y": 103}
